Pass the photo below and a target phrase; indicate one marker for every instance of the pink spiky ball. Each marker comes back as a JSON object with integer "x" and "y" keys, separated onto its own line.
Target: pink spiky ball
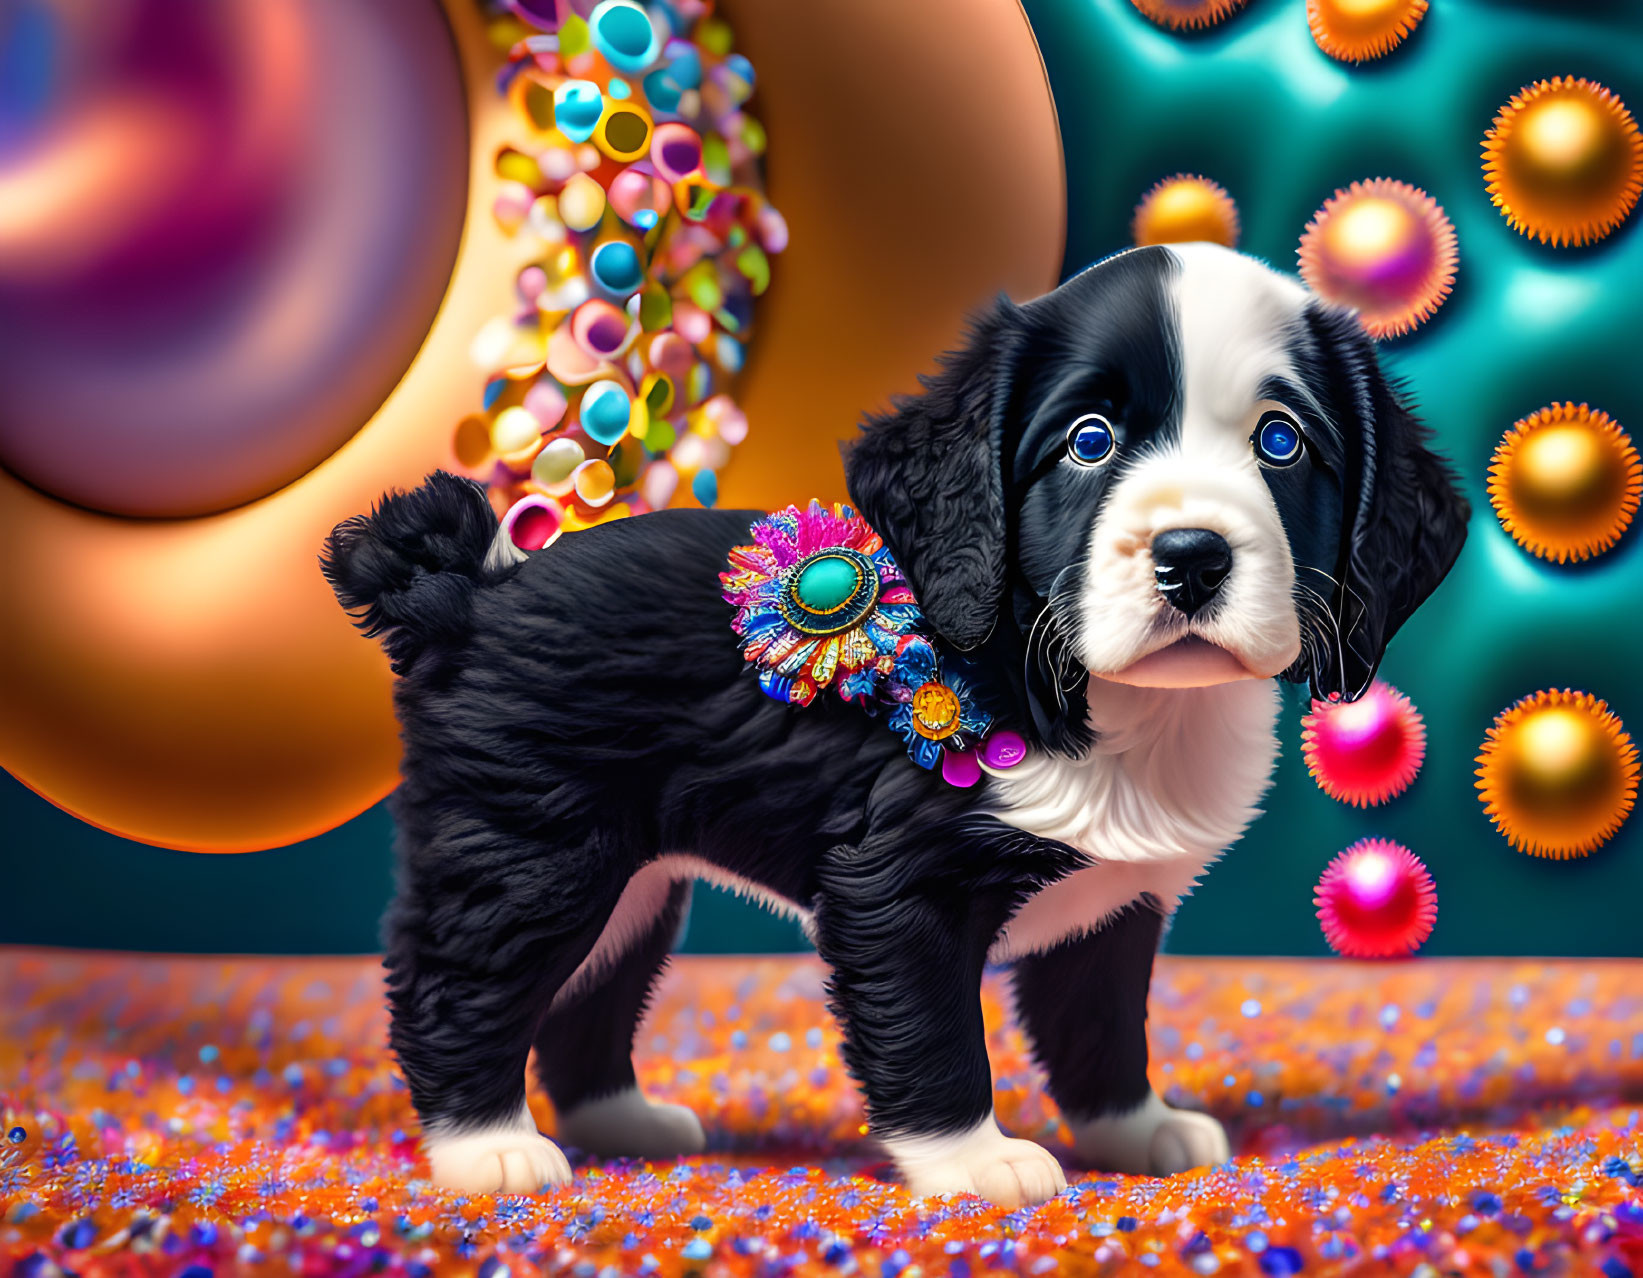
{"x": 1365, "y": 751}
{"x": 1376, "y": 900}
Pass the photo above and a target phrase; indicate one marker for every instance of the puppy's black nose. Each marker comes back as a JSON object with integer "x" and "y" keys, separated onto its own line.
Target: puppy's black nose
{"x": 1190, "y": 564}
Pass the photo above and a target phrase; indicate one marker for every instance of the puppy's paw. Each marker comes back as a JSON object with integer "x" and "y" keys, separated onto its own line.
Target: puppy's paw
{"x": 510, "y": 1158}
{"x": 1151, "y": 1140}
{"x": 1009, "y": 1173}
{"x": 626, "y": 1125}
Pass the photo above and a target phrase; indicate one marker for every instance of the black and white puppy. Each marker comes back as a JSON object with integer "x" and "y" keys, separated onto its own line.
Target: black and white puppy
{"x": 1134, "y": 504}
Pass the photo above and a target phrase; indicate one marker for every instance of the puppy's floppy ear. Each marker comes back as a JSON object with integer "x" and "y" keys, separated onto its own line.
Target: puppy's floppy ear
{"x": 926, "y": 477}
{"x": 1406, "y": 533}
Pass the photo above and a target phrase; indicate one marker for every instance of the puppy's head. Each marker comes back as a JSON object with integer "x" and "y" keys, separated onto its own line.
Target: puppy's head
{"x": 1178, "y": 468}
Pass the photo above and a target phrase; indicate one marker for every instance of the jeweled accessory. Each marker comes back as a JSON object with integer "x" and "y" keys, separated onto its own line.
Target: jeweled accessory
{"x": 820, "y": 602}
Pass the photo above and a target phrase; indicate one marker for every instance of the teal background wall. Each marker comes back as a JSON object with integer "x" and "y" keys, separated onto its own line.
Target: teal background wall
{"x": 1254, "y": 105}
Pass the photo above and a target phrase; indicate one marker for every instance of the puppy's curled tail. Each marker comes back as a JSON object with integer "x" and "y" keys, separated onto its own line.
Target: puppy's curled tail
{"x": 408, "y": 571}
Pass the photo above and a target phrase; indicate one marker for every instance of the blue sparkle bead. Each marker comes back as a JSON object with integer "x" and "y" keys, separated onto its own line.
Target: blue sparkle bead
{"x": 17, "y": 1135}
{"x": 604, "y": 412}
{"x": 616, "y": 268}
{"x": 1127, "y": 1224}
{"x": 78, "y": 1234}
{"x": 699, "y": 1223}
{"x": 622, "y": 32}
{"x": 1281, "y": 1262}
{"x": 208, "y": 1053}
{"x": 662, "y": 91}
{"x": 1485, "y": 1203}
{"x": 705, "y": 485}
{"x": 577, "y": 106}
{"x": 696, "y": 1249}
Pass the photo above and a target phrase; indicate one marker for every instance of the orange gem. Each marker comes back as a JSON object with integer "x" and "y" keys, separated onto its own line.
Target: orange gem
{"x": 935, "y": 711}
{"x": 1384, "y": 248}
{"x": 1564, "y": 161}
{"x": 1565, "y": 482}
{"x": 1182, "y": 15}
{"x": 1184, "y": 209}
{"x": 1358, "y": 30}
{"x": 1557, "y": 774}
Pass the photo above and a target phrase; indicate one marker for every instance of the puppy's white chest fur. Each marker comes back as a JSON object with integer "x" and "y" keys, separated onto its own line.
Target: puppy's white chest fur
{"x": 1173, "y": 780}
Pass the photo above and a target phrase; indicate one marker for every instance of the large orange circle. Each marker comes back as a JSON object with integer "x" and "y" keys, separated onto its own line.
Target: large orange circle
{"x": 192, "y": 683}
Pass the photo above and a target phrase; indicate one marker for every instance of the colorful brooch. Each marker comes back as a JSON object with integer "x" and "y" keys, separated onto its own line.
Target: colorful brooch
{"x": 821, "y": 603}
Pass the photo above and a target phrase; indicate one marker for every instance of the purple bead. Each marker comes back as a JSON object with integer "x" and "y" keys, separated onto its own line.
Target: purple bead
{"x": 1003, "y": 749}
{"x": 959, "y": 767}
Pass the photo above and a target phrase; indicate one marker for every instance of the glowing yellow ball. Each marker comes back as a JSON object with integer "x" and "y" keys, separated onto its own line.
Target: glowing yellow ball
{"x": 1184, "y": 209}
{"x": 1564, "y": 161}
{"x": 1557, "y": 774}
{"x": 1565, "y": 482}
{"x": 1181, "y": 15}
{"x": 1384, "y": 248}
{"x": 1357, "y": 30}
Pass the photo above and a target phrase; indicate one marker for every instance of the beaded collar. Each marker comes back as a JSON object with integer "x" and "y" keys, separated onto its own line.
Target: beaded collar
{"x": 820, "y": 603}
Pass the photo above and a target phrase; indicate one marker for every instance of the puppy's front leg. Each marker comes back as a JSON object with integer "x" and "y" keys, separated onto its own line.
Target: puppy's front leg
{"x": 907, "y": 955}
{"x": 1084, "y": 1005}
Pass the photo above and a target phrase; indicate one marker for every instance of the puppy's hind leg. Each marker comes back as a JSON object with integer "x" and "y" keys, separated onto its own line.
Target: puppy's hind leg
{"x": 484, "y": 930}
{"x": 584, "y": 1048}
{"x": 1083, "y": 1003}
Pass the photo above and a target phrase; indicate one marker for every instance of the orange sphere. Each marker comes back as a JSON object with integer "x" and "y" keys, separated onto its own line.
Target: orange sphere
{"x": 1564, "y": 161}
{"x": 1565, "y": 482}
{"x": 1358, "y": 30}
{"x": 1184, "y": 209}
{"x": 1183, "y": 15}
{"x": 1384, "y": 248}
{"x": 1557, "y": 774}
{"x": 192, "y": 682}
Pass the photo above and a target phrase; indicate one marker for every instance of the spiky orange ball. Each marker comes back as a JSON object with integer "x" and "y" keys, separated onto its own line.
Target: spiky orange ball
{"x": 1182, "y": 15}
{"x": 1564, "y": 161}
{"x": 1358, "y": 30}
{"x": 1184, "y": 209}
{"x": 1565, "y": 482}
{"x": 1557, "y": 774}
{"x": 1365, "y": 751}
{"x": 1385, "y": 248}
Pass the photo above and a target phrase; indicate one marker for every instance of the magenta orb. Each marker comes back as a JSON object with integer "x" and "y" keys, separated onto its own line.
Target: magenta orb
{"x": 1376, "y": 900}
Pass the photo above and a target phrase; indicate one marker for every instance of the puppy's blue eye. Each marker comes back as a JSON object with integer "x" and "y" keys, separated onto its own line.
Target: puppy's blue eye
{"x": 1278, "y": 440}
{"x": 1091, "y": 439}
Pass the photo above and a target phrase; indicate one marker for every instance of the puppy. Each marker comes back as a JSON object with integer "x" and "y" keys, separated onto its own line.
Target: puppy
{"x": 1133, "y": 504}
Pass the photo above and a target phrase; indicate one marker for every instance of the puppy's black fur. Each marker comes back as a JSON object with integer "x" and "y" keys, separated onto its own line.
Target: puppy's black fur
{"x": 569, "y": 719}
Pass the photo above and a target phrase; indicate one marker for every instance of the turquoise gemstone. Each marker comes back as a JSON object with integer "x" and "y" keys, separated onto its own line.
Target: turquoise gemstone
{"x": 827, "y": 584}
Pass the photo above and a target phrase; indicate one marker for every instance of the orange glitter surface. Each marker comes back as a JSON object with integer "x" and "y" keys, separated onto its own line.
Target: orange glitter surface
{"x": 1186, "y": 15}
{"x": 1358, "y": 30}
{"x": 1564, "y": 161}
{"x": 209, "y": 1116}
{"x": 1565, "y": 482}
{"x": 1557, "y": 774}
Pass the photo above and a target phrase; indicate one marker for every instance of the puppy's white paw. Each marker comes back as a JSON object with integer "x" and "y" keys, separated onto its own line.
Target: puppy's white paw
{"x": 626, "y": 1125}
{"x": 1150, "y": 1140}
{"x": 510, "y": 1158}
{"x": 1007, "y": 1172}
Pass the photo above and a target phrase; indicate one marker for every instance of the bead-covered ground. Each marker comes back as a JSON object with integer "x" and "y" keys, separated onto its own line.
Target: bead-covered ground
{"x": 207, "y": 1116}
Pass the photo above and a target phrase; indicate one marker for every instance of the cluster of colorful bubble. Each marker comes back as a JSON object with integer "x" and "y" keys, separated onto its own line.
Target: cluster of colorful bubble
{"x": 633, "y": 183}
{"x": 203, "y": 1117}
{"x": 1563, "y": 163}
